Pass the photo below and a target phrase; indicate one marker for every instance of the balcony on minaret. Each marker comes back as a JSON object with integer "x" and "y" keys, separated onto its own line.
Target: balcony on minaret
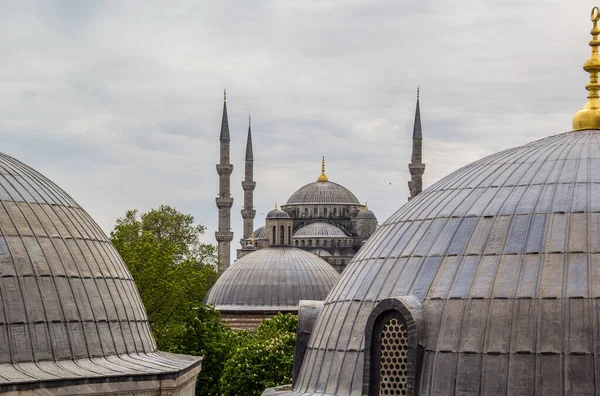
{"x": 224, "y": 236}
{"x": 416, "y": 168}
{"x": 224, "y": 169}
{"x": 224, "y": 202}
{"x": 248, "y": 185}
{"x": 248, "y": 214}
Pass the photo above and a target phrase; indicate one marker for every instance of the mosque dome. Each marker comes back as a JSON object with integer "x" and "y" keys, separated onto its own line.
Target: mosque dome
{"x": 323, "y": 192}
{"x": 501, "y": 257}
{"x": 277, "y": 214}
{"x": 272, "y": 279}
{"x": 69, "y": 308}
{"x": 365, "y": 214}
{"x": 260, "y": 233}
{"x": 319, "y": 230}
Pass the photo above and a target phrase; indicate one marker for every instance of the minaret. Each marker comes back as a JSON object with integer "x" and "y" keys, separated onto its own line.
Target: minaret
{"x": 248, "y": 185}
{"x": 224, "y": 201}
{"x": 416, "y": 167}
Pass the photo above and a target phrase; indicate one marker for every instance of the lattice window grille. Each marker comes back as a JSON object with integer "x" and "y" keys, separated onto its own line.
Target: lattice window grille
{"x": 393, "y": 372}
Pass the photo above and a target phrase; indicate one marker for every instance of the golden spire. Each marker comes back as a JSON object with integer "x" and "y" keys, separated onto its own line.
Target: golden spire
{"x": 252, "y": 238}
{"x": 276, "y": 206}
{"x": 323, "y": 177}
{"x": 366, "y": 205}
{"x": 589, "y": 115}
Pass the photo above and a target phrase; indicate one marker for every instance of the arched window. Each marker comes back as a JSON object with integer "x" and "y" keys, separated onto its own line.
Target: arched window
{"x": 274, "y": 239}
{"x": 339, "y": 242}
{"x": 305, "y": 212}
{"x": 316, "y": 212}
{"x": 281, "y": 235}
{"x": 343, "y": 212}
{"x": 334, "y": 212}
{"x": 296, "y": 243}
{"x": 325, "y": 243}
{"x": 310, "y": 242}
{"x": 324, "y": 212}
{"x": 392, "y": 355}
{"x": 303, "y": 242}
{"x": 317, "y": 242}
{"x": 289, "y": 235}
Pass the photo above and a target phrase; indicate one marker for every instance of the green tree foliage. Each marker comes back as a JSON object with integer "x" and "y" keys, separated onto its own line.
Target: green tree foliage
{"x": 263, "y": 360}
{"x": 172, "y": 269}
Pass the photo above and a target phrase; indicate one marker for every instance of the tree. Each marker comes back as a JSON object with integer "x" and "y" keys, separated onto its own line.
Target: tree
{"x": 264, "y": 360}
{"x": 172, "y": 269}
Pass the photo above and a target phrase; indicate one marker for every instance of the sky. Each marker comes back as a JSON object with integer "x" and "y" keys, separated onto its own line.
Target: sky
{"x": 119, "y": 102}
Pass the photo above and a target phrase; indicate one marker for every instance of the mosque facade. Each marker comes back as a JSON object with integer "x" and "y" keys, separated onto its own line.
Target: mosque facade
{"x": 327, "y": 218}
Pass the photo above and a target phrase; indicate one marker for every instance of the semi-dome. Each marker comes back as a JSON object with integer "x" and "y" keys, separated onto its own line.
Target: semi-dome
{"x": 319, "y": 230}
{"x": 273, "y": 279}
{"x": 323, "y": 192}
{"x": 260, "y": 233}
{"x": 277, "y": 214}
{"x": 69, "y": 309}
{"x": 502, "y": 257}
{"x": 365, "y": 214}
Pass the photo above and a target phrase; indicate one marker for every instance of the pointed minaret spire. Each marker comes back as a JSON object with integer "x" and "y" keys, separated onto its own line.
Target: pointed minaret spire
{"x": 248, "y": 185}
{"x": 224, "y": 236}
{"x": 416, "y": 167}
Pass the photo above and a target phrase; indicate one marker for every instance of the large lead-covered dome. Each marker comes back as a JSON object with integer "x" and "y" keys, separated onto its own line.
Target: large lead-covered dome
{"x": 504, "y": 256}
{"x": 273, "y": 279}
{"x": 69, "y": 308}
{"x": 323, "y": 192}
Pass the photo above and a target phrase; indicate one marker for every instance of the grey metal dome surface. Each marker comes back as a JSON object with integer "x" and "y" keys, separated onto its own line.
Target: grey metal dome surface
{"x": 504, "y": 255}
{"x": 69, "y": 309}
{"x": 365, "y": 214}
{"x": 319, "y": 230}
{"x": 277, "y": 214}
{"x": 272, "y": 279}
{"x": 320, "y": 192}
{"x": 260, "y": 233}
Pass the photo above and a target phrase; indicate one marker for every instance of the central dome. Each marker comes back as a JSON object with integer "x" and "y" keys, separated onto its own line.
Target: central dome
{"x": 323, "y": 192}
{"x": 319, "y": 230}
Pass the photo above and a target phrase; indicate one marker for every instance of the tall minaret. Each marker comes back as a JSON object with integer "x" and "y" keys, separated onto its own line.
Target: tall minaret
{"x": 224, "y": 235}
{"x": 248, "y": 185}
{"x": 416, "y": 167}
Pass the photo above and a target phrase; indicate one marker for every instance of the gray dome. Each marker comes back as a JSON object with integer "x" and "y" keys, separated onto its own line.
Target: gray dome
{"x": 504, "y": 256}
{"x": 319, "y": 230}
{"x": 278, "y": 214}
{"x": 365, "y": 214}
{"x": 321, "y": 192}
{"x": 65, "y": 294}
{"x": 260, "y": 233}
{"x": 271, "y": 280}
{"x": 320, "y": 252}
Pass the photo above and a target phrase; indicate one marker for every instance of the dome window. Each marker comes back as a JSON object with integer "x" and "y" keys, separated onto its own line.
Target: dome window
{"x": 392, "y": 354}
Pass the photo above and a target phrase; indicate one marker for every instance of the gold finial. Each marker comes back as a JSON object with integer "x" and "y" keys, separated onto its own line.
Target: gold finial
{"x": 276, "y": 206}
{"x": 224, "y": 95}
{"x": 366, "y": 205}
{"x": 323, "y": 177}
{"x": 252, "y": 238}
{"x": 589, "y": 115}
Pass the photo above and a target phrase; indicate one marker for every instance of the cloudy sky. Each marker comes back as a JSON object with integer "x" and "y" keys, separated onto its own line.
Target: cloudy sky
{"x": 119, "y": 102}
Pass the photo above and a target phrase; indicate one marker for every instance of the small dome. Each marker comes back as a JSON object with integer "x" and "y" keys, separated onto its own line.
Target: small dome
{"x": 277, "y": 214}
{"x": 320, "y": 252}
{"x": 260, "y": 233}
{"x": 365, "y": 214}
{"x": 272, "y": 279}
{"x": 319, "y": 230}
{"x": 66, "y": 295}
{"x": 323, "y": 192}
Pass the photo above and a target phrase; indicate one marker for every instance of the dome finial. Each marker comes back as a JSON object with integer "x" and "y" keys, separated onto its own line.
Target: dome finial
{"x": 366, "y": 205}
{"x": 276, "y": 206}
{"x": 323, "y": 177}
{"x": 252, "y": 238}
{"x": 589, "y": 115}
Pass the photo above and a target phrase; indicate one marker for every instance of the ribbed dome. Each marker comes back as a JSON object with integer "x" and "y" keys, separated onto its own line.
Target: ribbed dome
{"x": 504, "y": 254}
{"x": 271, "y": 280}
{"x": 365, "y": 214}
{"x": 260, "y": 233}
{"x": 319, "y": 230}
{"x": 278, "y": 214}
{"x": 65, "y": 294}
{"x": 323, "y": 193}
